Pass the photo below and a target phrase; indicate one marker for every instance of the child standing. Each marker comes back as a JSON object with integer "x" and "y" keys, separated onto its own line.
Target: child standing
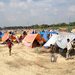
{"x": 9, "y": 44}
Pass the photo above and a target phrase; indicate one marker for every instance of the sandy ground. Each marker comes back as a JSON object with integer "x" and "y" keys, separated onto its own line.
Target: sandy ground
{"x": 26, "y": 61}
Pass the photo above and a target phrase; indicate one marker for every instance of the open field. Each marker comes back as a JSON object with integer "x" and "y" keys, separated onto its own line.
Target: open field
{"x": 25, "y": 61}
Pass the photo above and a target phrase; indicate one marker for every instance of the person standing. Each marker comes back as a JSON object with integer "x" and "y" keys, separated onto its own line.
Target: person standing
{"x": 53, "y": 50}
{"x": 22, "y": 36}
{"x": 69, "y": 47}
{"x": 73, "y": 44}
{"x": 9, "y": 44}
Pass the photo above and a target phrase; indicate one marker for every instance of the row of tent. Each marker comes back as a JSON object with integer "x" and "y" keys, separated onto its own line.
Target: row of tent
{"x": 5, "y": 36}
{"x": 31, "y": 40}
{"x": 46, "y": 33}
{"x": 34, "y": 40}
{"x": 59, "y": 39}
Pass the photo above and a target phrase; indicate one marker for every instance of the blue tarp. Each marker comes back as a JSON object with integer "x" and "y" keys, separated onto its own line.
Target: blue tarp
{"x": 53, "y": 32}
{"x": 46, "y": 33}
{"x": 1, "y": 34}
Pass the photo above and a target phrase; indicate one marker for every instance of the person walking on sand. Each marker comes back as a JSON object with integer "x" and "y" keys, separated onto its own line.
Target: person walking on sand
{"x": 52, "y": 50}
{"x": 69, "y": 47}
{"x": 9, "y": 44}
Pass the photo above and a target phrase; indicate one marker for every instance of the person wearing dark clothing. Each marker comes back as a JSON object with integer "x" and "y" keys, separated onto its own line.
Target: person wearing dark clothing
{"x": 34, "y": 32}
{"x": 9, "y": 44}
{"x": 52, "y": 50}
{"x": 24, "y": 33}
{"x": 73, "y": 44}
{"x": 69, "y": 48}
{"x": 22, "y": 36}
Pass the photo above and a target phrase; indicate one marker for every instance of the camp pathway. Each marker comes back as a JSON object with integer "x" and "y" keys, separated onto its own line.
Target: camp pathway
{"x": 25, "y": 61}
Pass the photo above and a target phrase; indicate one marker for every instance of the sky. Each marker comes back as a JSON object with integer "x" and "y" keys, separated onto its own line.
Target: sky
{"x": 31, "y": 12}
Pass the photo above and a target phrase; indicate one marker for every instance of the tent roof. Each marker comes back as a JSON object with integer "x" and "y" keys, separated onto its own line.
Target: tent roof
{"x": 5, "y": 37}
{"x": 62, "y": 39}
{"x": 52, "y": 40}
{"x": 45, "y": 34}
{"x": 53, "y": 32}
{"x": 30, "y": 39}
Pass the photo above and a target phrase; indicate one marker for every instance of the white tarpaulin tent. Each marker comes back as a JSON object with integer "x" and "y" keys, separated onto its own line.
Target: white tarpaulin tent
{"x": 52, "y": 40}
{"x": 62, "y": 39}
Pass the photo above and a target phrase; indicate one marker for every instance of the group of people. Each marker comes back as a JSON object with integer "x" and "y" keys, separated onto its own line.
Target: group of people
{"x": 70, "y": 46}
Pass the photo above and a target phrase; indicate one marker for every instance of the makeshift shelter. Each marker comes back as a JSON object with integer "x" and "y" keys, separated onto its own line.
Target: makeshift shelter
{"x": 47, "y": 34}
{"x": 33, "y": 40}
{"x": 52, "y": 41}
{"x": 62, "y": 39}
{"x": 5, "y": 37}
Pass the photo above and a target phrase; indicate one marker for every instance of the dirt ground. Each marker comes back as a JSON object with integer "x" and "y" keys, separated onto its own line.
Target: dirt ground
{"x": 26, "y": 61}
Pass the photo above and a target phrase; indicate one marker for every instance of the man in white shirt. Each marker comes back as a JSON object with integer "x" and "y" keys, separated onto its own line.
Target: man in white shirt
{"x": 69, "y": 47}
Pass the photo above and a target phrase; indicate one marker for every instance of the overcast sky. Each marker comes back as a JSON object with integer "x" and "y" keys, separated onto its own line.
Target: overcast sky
{"x": 28, "y": 12}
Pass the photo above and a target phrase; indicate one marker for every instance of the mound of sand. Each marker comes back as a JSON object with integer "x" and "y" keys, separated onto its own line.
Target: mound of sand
{"x": 25, "y": 61}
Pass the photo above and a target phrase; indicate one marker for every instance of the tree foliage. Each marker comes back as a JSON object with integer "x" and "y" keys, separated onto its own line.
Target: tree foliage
{"x": 43, "y": 26}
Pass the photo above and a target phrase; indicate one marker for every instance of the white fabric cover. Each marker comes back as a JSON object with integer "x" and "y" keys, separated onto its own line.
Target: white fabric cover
{"x": 52, "y": 40}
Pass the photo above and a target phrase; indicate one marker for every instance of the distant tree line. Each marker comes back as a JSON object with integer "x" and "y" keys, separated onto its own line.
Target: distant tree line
{"x": 43, "y": 26}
